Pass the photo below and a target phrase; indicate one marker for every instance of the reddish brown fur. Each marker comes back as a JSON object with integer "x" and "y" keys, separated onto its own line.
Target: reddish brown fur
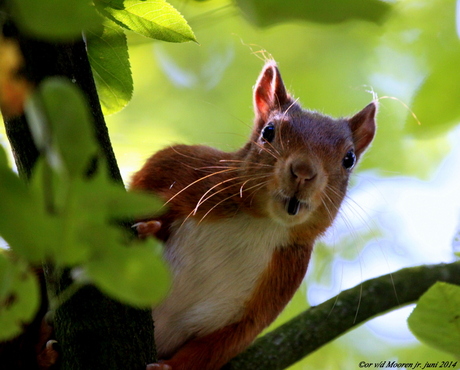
{"x": 182, "y": 174}
{"x": 157, "y": 176}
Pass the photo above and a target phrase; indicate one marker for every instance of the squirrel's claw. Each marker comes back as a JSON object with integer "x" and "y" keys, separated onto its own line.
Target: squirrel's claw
{"x": 147, "y": 228}
{"x": 48, "y": 356}
{"x": 158, "y": 366}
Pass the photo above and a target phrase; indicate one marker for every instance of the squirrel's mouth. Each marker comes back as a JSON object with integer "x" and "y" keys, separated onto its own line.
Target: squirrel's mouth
{"x": 289, "y": 210}
{"x": 293, "y": 205}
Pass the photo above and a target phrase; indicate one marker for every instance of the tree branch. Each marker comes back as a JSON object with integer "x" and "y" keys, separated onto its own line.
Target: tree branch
{"x": 321, "y": 324}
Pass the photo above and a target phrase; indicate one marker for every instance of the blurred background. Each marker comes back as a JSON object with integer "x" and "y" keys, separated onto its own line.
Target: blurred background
{"x": 404, "y": 204}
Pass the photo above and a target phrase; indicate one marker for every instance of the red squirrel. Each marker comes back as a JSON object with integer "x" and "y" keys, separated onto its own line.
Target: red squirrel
{"x": 240, "y": 227}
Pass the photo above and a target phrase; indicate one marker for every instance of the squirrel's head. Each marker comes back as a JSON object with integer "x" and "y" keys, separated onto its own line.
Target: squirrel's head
{"x": 305, "y": 158}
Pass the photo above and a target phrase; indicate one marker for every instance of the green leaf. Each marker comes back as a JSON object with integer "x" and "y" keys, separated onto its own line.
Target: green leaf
{"x": 108, "y": 55}
{"x": 156, "y": 19}
{"x": 19, "y": 296}
{"x": 101, "y": 195}
{"x": 437, "y": 115}
{"x": 265, "y": 13}
{"x": 23, "y": 223}
{"x": 436, "y": 318}
{"x": 55, "y": 19}
{"x": 72, "y": 219}
{"x": 83, "y": 211}
{"x": 129, "y": 205}
{"x": 61, "y": 124}
{"x": 136, "y": 275}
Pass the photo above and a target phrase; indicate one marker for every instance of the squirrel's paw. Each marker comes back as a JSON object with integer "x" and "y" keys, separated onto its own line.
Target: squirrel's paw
{"x": 158, "y": 366}
{"x": 48, "y": 356}
{"x": 147, "y": 228}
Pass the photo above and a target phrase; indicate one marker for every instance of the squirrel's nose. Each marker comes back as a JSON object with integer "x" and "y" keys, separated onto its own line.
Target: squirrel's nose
{"x": 303, "y": 171}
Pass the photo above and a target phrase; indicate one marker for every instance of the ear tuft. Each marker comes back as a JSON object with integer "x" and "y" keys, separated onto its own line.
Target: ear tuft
{"x": 269, "y": 93}
{"x": 363, "y": 127}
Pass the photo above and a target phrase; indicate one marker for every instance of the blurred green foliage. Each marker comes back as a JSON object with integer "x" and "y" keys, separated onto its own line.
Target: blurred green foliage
{"x": 436, "y": 318}
{"x": 54, "y": 19}
{"x": 71, "y": 217}
{"x": 19, "y": 296}
{"x": 270, "y": 12}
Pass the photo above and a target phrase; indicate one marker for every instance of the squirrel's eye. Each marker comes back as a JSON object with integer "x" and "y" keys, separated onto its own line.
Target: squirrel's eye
{"x": 349, "y": 160}
{"x": 268, "y": 132}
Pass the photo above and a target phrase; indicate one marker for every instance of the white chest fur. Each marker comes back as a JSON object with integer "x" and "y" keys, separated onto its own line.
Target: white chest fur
{"x": 215, "y": 268}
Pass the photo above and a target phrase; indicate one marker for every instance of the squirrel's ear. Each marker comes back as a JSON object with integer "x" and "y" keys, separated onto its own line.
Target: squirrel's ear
{"x": 269, "y": 92}
{"x": 363, "y": 126}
